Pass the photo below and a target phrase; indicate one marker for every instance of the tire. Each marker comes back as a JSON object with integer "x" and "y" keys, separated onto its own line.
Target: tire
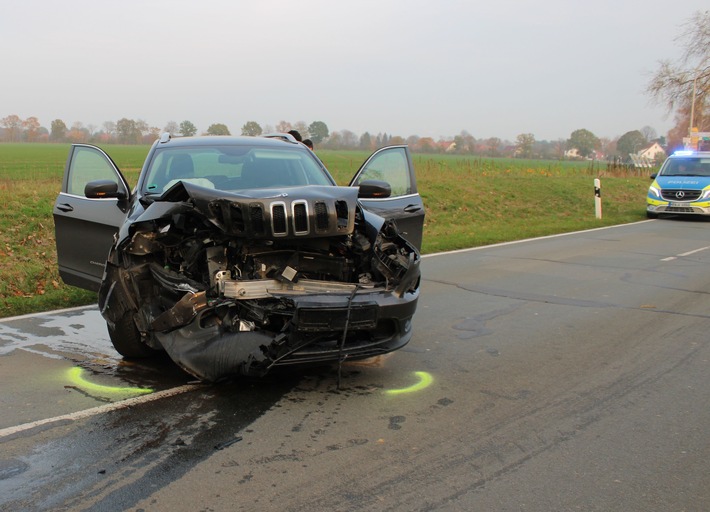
{"x": 126, "y": 339}
{"x": 116, "y": 299}
{"x": 651, "y": 215}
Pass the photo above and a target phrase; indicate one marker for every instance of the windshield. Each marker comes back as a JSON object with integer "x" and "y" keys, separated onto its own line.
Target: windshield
{"x": 232, "y": 168}
{"x": 691, "y": 166}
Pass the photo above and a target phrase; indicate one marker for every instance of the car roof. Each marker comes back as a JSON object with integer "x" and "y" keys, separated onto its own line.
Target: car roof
{"x": 224, "y": 140}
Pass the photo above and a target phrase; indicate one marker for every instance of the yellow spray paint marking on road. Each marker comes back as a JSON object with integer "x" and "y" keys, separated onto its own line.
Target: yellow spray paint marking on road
{"x": 74, "y": 375}
{"x": 425, "y": 380}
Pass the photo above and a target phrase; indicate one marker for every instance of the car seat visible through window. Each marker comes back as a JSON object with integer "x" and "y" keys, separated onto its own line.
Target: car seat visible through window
{"x": 181, "y": 167}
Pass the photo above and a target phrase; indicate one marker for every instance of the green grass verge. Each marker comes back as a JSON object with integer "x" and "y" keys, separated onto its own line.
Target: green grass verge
{"x": 469, "y": 202}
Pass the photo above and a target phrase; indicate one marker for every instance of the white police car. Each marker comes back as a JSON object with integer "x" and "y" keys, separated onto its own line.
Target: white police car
{"x": 682, "y": 186}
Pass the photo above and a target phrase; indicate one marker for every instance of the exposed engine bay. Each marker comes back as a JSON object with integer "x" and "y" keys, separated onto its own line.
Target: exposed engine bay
{"x": 241, "y": 282}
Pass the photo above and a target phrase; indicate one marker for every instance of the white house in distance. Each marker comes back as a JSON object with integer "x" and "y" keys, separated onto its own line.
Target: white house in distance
{"x": 648, "y": 156}
{"x": 653, "y": 152}
{"x": 573, "y": 154}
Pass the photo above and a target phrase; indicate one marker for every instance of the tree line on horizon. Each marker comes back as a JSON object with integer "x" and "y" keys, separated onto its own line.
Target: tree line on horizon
{"x": 130, "y": 131}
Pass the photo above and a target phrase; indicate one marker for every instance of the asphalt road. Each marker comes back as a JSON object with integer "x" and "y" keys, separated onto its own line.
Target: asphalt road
{"x": 559, "y": 374}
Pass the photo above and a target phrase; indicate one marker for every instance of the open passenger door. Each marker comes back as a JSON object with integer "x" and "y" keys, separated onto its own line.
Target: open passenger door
{"x": 393, "y": 164}
{"x": 88, "y": 211}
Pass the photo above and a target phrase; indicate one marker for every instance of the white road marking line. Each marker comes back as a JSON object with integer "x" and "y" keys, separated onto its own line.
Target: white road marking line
{"x": 115, "y": 406}
{"x": 47, "y": 313}
{"x": 514, "y": 242}
{"x": 693, "y": 252}
{"x": 682, "y": 255}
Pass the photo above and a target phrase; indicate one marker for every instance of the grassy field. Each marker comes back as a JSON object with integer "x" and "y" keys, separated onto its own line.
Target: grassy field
{"x": 469, "y": 202}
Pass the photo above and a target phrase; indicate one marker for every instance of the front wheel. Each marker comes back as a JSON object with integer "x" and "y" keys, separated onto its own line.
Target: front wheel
{"x": 118, "y": 306}
{"x": 126, "y": 338}
{"x": 651, "y": 215}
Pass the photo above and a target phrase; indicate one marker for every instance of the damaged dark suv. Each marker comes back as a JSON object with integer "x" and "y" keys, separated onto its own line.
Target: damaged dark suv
{"x": 236, "y": 255}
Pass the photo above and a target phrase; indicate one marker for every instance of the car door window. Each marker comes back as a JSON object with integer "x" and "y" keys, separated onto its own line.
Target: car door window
{"x": 390, "y": 166}
{"x": 393, "y": 165}
{"x": 88, "y": 164}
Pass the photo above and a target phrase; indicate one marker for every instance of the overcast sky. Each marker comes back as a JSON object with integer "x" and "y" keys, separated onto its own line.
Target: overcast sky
{"x": 429, "y": 68}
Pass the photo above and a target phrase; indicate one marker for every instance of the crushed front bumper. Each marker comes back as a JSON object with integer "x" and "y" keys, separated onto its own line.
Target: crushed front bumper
{"x": 324, "y": 329}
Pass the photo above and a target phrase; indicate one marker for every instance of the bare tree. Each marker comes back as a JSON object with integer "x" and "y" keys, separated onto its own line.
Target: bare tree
{"x": 109, "y": 128}
{"x": 302, "y": 128}
{"x": 349, "y": 139}
{"x": 649, "y": 133}
{"x": 142, "y": 127}
{"x": 685, "y": 86}
{"x": 283, "y": 127}
{"x": 172, "y": 127}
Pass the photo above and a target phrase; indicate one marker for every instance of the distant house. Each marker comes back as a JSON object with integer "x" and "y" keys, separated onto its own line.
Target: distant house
{"x": 652, "y": 152}
{"x": 573, "y": 154}
{"x": 446, "y": 146}
{"x": 648, "y": 156}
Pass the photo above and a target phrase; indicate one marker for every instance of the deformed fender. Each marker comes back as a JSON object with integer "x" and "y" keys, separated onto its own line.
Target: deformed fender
{"x": 410, "y": 277}
{"x": 211, "y": 354}
{"x": 114, "y": 297}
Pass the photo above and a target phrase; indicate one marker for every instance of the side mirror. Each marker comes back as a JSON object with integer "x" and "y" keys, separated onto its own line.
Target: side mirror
{"x": 653, "y": 176}
{"x": 102, "y": 189}
{"x": 374, "y": 189}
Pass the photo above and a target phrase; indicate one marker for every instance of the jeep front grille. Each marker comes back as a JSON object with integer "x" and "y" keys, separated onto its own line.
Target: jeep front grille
{"x": 256, "y": 214}
{"x": 283, "y": 217}
{"x": 300, "y": 217}
{"x": 321, "y": 211}
{"x": 278, "y": 219}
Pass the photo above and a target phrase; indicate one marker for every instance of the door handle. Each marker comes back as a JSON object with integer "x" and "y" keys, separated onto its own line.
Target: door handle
{"x": 411, "y": 208}
{"x": 65, "y": 207}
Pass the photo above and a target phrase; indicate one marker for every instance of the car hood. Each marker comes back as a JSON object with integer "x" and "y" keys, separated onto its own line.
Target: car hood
{"x": 291, "y": 212}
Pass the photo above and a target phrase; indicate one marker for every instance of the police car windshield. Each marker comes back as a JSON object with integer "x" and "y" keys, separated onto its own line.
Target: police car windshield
{"x": 687, "y": 167}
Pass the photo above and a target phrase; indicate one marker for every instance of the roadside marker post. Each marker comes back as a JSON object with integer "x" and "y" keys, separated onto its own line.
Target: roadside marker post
{"x": 598, "y": 198}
